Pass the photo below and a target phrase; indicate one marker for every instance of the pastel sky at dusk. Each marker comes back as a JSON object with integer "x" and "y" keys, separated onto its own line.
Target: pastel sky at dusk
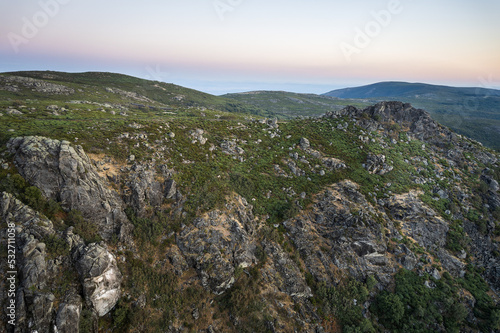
{"x": 221, "y": 46}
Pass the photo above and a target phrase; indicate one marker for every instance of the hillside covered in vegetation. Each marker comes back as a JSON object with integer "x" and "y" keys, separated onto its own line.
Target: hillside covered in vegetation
{"x": 142, "y": 206}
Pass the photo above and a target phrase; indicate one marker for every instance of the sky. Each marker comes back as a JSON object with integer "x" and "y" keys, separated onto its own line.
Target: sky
{"x": 221, "y": 46}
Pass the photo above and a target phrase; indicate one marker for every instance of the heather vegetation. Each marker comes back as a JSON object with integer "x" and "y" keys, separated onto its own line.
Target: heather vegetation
{"x": 243, "y": 177}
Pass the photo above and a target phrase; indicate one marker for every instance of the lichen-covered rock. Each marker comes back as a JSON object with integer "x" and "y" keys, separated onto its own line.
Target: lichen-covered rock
{"x": 220, "y": 242}
{"x": 284, "y": 274}
{"x": 143, "y": 189}
{"x": 376, "y": 164}
{"x": 339, "y": 235}
{"x": 177, "y": 260}
{"x": 100, "y": 277}
{"x": 68, "y": 314}
{"x": 304, "y": 144}
{"x": 418, "y": 221}
{"x": 33, "y": 298}
{"x": 65, "y": 173}
{"x": 422, "y": 126}
{"x": 197, "y": 136}
{"x": 37, "y": 85}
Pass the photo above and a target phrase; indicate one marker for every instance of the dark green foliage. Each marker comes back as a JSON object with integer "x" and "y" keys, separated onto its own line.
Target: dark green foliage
{"x": 473, "y": 216}
{"x": 148, "y": 229}
{"x": 371, "y": 282}
{"x": 414, "y": 307}
{"x": 158, "y": 286}
{"x": 16, "y": 185}
{"x": 86, "y": 324}
{"x": 87, "y": 230}
{"x": 122, "y": 315}
{"x": 389, "y": 309}
{"x": 485, "y": 309}
{"x": 56, "y": 246}
{"x": 344, "y": 301}
{"x": 456, "y": 239}
{"x": 33, "y": 198}
{"x": 244, "y": 301}
{"x": 242, "y": 185}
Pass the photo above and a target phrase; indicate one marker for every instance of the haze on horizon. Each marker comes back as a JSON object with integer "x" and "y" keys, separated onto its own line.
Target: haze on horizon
{"x": 221, "y": 46}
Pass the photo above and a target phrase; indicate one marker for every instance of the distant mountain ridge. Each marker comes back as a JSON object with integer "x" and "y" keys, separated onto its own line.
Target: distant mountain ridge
{"x": 474, "y": 112}
{"x": 405, "y": 89}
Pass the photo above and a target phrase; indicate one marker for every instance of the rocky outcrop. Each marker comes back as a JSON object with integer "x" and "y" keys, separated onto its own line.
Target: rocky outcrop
{"x": 491, "y": 194}
{"x": 216, "y": 244}
{"x": 340, "y": 235}
{"x": 143, "y": 189}
{"x": 129, "y": 94}
{"x": 197, "y": 136}
{"x": 230, "y": 147}
{"x": 418, "y": 221}
{"x": 12, "y": 83}
{"x": 100, "y": 276}
{"x": 376, "y": 164}
{"x": 420, "y": 123}
{"x": 283, "y": 273}
{"x": 38, "y": 272}
{"x": 33, "y": 298}
{"x": 68, "y": 314}
{"x": 65, "y": 173}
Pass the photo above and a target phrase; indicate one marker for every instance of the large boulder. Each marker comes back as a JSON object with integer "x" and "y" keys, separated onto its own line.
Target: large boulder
{"x": 68, "y": 315}
{"x": 100, "y": 277}
{"x": 65, "y": 173}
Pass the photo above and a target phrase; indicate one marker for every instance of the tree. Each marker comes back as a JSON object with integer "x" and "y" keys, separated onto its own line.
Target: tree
{"x": 389, "y": 308}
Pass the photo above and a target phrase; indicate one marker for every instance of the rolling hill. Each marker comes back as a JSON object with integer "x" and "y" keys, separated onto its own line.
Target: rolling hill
{"x": 414, "y": 90}
{"x": 139, "y": 206}
{"x": 287, "y": 105}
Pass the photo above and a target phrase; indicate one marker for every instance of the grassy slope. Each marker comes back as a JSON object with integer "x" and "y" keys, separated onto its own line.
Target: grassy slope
{"x": 205, "y": 176}
{"x": 289, "y": 105}
{"x": 92, "y": 86}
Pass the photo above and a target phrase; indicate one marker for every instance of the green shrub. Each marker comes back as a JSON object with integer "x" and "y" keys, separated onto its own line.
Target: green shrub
{"x": 484, "y": 309}
{"x": 33, "y": 197}
{"x": 87, "y": 230}
{"x": 86, "y": 324}
{"x": 389, "y": 309}
{"x": 456, "y": 239}
{"x": 56, "y": 246}
{"x": 343, "y": 301}
{"x": 413, "y": 307}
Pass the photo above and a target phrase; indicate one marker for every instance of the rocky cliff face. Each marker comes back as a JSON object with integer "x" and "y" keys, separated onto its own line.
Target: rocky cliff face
{"x": 40, "y": 275}
{"x": 64, "y": 173}
{"x": 416, "y": 206}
